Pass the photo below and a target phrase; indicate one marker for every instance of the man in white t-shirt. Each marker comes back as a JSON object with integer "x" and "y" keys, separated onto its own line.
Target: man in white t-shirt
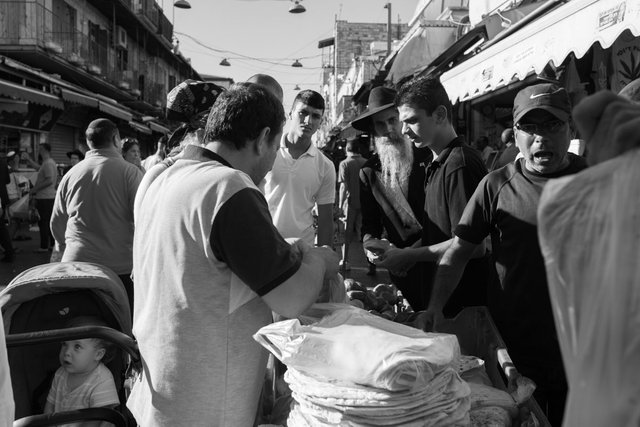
{"x": 302, "y": 177}
{"x": 44, "y": 191}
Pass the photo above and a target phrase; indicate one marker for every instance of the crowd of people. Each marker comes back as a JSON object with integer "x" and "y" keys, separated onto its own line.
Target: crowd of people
{"x": 214, "y": 232}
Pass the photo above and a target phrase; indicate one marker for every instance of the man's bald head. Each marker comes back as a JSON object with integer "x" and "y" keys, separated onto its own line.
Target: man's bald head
{"x": 269, "y": 82}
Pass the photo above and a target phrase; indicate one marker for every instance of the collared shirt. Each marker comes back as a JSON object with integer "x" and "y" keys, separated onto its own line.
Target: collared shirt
{"x": 451, "y": 179}
{"x": 93, "y": 212}
{"x": 205, "y": 250}
{"x": 294, "y": 186}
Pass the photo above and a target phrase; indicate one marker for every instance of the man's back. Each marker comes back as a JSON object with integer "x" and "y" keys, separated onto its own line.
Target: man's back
{"x": 93, "y": 212}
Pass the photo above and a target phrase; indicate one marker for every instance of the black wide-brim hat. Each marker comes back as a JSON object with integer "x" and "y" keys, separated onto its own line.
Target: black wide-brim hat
{"x": 77, "y": 152}
{"x": 380, "y": 99}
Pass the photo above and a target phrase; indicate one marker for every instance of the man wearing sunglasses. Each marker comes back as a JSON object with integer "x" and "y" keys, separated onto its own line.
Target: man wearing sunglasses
{"x": 504, "y": 206}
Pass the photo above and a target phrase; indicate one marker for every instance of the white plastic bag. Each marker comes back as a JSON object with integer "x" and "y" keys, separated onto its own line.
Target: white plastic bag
{"x": 354, "y": 346}
{"x": 589, "y": 229}
{"x": 20, "y": 208}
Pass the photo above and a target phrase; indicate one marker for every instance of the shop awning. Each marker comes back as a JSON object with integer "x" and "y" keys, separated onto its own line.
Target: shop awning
{"x": 114, "y": 111}
{"x": 421, "y": 49}
{"x": 140, "y": 127}
{"x": 78, "y": 98}
{"x": 158, "y": 128}
{"x": 29, "y": 94}
{"x": 572, "y": 27}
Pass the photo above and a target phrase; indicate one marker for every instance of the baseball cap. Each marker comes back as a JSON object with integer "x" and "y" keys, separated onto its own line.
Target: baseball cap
{"x": 547, "y": 96}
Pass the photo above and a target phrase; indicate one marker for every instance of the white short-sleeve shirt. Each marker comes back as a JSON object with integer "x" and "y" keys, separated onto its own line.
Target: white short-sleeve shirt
{"x": 294, "y": 186}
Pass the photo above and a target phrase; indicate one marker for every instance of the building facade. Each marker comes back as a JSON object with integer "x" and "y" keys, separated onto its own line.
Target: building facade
{"x": 64, "y": 63}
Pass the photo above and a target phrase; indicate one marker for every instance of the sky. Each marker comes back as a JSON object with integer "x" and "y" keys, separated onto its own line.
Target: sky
{"x": 264, "y": 29}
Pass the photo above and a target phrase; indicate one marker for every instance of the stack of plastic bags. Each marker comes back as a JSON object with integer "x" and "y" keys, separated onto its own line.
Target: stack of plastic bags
{"x": 352, "y": 368}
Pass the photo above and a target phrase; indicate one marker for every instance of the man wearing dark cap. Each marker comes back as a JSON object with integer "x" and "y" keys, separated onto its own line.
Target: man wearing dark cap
{"x": 92, "y": 217}
{"x": 504, "y": 207}
{"x": 391, "y": 188}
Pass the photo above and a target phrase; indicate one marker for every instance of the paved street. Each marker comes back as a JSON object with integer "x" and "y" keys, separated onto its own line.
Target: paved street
{"x": 26, "y": 257}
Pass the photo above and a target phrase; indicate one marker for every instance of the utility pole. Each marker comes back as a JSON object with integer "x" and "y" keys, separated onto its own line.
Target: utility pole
{"x": 388, "y": 7}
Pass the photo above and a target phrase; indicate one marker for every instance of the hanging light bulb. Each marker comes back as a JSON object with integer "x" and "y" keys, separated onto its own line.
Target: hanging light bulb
{"x": 225, "y": 63}
{"x": 296, "y": 64}
{"x": 182, "y": 4}
{"x": 296, "y": 88}
{"x": 297, "y": 8}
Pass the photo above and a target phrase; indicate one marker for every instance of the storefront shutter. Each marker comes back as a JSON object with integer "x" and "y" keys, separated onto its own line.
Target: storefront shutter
{"x": 62, "y": 140}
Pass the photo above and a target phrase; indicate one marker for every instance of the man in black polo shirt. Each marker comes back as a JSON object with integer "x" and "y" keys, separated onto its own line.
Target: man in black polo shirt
{"x": 425, "y": 113}
{"x": 391, "y": 188}
{"x": 504, "y": 206}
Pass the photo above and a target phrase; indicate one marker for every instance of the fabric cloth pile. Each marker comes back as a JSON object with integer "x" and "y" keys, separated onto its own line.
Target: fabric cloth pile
{"x": 352, "y": 368}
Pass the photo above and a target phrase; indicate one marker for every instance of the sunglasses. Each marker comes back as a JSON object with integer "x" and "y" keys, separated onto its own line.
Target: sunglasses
{"x": 551, "y": 126}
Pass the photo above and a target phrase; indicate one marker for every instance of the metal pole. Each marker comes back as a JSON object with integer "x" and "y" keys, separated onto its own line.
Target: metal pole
{"x": 388, "y": 7}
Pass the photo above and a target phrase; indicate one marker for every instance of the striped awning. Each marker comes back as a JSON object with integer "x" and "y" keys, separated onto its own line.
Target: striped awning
{"x": 140, "y": 127}
{"x": 78, "y": 98}
{"x": 115, "y": 111}
{"x": 158, "y": 128}
{"x": 13, "y": 90}
{"x": 571, "y": 28}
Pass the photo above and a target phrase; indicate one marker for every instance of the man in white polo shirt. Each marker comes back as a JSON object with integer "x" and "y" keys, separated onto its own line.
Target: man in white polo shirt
{"x": 302, "y": 177}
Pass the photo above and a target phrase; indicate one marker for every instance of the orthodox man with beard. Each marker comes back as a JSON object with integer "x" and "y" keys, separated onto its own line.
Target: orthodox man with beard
{"x": 391, "y": 189}
{"x": 425, "y": 113}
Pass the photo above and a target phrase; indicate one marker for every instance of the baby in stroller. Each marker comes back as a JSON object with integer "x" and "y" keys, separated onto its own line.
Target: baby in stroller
{"x": 83, "y": 381}
{"x": 44, "y": 306}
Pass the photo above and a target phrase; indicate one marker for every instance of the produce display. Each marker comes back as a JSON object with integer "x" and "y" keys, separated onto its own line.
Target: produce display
{"x": 384, "y": 300}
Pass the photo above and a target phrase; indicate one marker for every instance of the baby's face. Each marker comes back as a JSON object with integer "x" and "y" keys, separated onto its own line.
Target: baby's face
{"x": 80, "y": 356}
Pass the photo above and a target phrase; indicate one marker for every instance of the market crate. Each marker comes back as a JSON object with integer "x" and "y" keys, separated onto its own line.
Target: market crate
{"x": 478, "y": 336}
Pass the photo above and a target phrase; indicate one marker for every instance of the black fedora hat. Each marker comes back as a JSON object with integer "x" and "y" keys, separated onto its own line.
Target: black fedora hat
{"x": 380, "y": 99}
{"x": 77, "y": 152}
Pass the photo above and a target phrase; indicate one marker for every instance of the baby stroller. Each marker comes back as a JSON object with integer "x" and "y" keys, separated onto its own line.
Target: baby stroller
{"x": 36, "y": 306}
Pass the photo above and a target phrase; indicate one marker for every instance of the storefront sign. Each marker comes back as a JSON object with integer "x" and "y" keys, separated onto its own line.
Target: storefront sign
{"x": 612, "y": 16}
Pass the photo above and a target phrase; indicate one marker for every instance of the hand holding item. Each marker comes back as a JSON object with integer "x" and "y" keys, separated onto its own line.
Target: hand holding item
{"x": 375, "y": 248}
{"x": 609, "y": 123}
{"x": 428, "y": 320}
{"x": 396, "y": 260}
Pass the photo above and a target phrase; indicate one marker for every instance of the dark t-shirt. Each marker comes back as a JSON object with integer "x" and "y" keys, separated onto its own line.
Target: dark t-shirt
{"x": 504, "y": 206}
{"x": 451, "y": 180}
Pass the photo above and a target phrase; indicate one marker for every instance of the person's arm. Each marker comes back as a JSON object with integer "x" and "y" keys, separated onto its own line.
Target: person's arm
{"x": 58, "y": 224}
{"x": 293, "y": 296}
{"x": 447, "y": 277}
{"x": 325, "y": 225}
{"x": 325, "y": 198}
{"x": 342, "y": 197}
{"x": 402, "y": 259}
{"x": 25, "y": 156}
{"x": 256, "y": 253}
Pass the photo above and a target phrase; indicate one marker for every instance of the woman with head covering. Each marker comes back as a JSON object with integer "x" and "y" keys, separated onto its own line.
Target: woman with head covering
{"x": 189, "y": 103}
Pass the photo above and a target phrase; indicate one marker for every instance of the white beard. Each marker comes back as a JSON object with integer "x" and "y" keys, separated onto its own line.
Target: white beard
{"x": 396, "y": 159}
